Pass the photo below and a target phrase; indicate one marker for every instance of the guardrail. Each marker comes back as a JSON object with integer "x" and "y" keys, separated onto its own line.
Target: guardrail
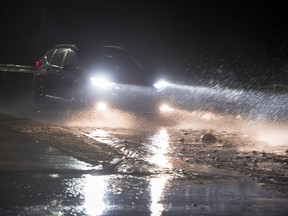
{"x": 16, "y": 78}
{"x": 17, "y": 68}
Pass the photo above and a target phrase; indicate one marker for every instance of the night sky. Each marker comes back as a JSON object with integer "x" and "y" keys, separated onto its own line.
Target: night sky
{"x": 242, "y": 37}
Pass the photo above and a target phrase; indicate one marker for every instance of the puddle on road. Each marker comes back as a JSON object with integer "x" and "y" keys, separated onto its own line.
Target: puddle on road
{"x": 151, "y": 147}
{"x": 130, "y": 195}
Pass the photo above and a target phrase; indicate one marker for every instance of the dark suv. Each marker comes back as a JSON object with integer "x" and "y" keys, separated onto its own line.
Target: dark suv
{"x": 64, "y": 73}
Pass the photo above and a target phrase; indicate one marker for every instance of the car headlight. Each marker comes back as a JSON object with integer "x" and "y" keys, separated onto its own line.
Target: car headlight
{"x": 165, "y": 108}
{"x": 102, "y": 82}
{"x": 161, "y": 85}
{"x": 101, "y": 106}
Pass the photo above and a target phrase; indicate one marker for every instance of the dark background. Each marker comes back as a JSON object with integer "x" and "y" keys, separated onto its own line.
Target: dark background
{"x": 215, "y": 40}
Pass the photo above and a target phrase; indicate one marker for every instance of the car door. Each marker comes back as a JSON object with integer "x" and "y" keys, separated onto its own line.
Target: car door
{"x": 70, "y": 75}
{"x": 55, "y": 73}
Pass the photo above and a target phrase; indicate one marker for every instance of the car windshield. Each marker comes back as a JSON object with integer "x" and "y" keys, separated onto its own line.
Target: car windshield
{"x": 114, "y": 61}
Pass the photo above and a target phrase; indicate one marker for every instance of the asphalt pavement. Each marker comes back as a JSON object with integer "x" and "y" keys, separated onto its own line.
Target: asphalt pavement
{"x": 19, "y": 152}
{"x": 39, "y": 179}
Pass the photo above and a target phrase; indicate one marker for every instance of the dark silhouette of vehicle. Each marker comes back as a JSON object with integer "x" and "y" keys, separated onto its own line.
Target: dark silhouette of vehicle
{"x": 68, "y": 74}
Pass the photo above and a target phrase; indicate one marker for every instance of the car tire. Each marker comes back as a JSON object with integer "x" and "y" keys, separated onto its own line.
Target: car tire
{"x": 39, "y": 94}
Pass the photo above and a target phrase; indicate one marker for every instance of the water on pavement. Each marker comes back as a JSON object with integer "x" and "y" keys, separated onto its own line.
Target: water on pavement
{"x": 149, "y": 181}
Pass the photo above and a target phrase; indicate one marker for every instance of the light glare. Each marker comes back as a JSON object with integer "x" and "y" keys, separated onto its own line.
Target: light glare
{"x": 102, "y": 82}
{"x": 102, "y": 106}
{"x": 161, "y": 84}
{"x": 164, "y": 108}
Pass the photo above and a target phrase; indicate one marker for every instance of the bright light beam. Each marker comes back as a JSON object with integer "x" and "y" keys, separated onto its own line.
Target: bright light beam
{"x": 165, "y": 108}
{"x": 101, "y": 106}
{"x": 161, "y": 85}
{"x": 102, "y": 82}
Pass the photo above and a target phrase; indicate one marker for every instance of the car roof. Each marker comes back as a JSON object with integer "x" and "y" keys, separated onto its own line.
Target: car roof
{"x": 71, "y": 46}
{"x": 74, "y": 47}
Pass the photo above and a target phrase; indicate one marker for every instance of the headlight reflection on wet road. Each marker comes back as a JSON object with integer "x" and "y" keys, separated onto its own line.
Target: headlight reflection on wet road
{"x": 157, "y": 186}
{"x": 97, "y": 190}
{"x": 101, "y": 136}
{"x": 94, "y": 193}
{"x": 159, "y": 148}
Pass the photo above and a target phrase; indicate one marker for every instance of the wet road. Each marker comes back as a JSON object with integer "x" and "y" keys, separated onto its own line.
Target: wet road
{"x": 21, "y": 153}
{"x": 54, "y": 194}
{"x": 151, "y": 179}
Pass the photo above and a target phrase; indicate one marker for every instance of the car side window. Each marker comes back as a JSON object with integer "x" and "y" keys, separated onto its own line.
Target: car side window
{"x": 71, "y": 58}
{"x": 49, "y": 55}
{"x": 59, "y": 57}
